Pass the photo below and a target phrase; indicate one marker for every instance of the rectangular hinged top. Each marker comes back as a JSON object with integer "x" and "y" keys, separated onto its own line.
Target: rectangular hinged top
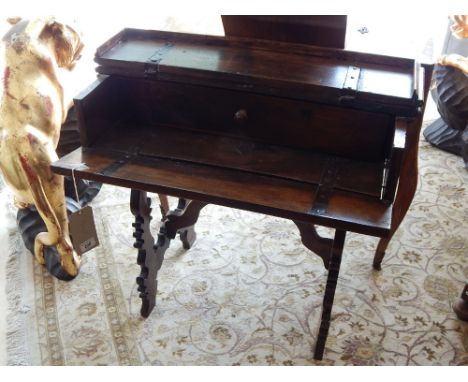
{"x": 334, "y": 76}
{"x": 300, "y": 132}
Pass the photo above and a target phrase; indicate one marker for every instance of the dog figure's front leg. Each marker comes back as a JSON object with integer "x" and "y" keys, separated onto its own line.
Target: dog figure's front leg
{"x": 50, "y": 203}
{"x": 28, "y": 169}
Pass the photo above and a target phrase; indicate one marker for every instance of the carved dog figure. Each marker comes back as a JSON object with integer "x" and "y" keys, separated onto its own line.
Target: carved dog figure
{"x": 459, "y": 29}
{"x": 34, "y": 58}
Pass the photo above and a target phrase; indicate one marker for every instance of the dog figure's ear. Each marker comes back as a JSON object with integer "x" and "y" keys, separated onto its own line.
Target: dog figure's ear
{"x": 459, "y": 27}
{"x": 14, "y": 20}
{"x": 66, "y": 43}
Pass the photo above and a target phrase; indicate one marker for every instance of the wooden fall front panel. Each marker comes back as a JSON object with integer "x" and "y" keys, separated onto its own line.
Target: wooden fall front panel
{"x": 315, "y": 135}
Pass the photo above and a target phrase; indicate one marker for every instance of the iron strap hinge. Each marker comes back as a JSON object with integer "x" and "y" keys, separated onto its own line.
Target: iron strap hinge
{"x": 350, "y": 84}
{"x": 352, "y": 78}
{"x": 325, "y": 187}
{"x": 117, "y": 164}
{"x": 385, "y": 173}
{"x": 152, "y": 63}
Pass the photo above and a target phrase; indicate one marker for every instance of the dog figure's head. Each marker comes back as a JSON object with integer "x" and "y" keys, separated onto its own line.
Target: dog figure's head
{"x": 61, "y": 39}
{"x": 459, "y": 27}
{"x": 65, "y": 42}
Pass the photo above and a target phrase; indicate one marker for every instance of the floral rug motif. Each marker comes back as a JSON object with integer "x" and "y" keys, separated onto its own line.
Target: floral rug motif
{"x": 249, "y": 293}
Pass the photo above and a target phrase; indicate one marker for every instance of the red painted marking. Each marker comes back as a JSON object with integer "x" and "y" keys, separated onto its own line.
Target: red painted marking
{"x": 27, "y": 168}
{"x": 6, "y": 82}
{"x": 49, "y": 106}
{"x": 6, "y": 79}
{"x": 49, "y": 64}
{"x": 32, "y": 139}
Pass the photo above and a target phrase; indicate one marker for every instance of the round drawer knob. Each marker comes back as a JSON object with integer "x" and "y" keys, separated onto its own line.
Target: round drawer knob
{"x": 241, "y": 115}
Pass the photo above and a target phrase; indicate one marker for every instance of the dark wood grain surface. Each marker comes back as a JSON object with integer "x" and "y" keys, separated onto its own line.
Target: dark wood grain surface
{"x": 231, "y": 135}
{"x": 308, "y": 72}
{"x": 322, "y": 30}
{"x": 239, "y": 189}
{"x": 293, "y": 123}
{"x": 316, "y": 135}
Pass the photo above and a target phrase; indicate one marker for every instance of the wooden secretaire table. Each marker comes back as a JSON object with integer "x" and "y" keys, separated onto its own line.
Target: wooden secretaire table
{"x": 319, "y": 136}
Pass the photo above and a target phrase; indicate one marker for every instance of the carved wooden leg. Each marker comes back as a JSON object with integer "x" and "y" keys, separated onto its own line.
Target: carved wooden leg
{"x": 150, "y": 255}
{"x": 164, "y": 205}
{"x": 188, "y": 236}
{"x": 182, "y": 221}
{"x": 313, "y": 241}
{"x": 408, "y": 175}
{"x": 334, "y": 269}
{"x": 187, "y": 233}
{"x": 380, "y": 252}
{"x": 406, "y": 189}
{"x": 460, "y": 307}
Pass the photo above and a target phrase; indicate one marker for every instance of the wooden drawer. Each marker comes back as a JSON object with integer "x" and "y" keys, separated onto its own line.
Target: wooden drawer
{"x": 338, "y": 131}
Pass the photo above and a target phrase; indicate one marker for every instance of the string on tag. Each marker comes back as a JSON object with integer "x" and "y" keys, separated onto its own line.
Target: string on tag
{"x": 81, "y": 223}
{"x": 75, "y": 187}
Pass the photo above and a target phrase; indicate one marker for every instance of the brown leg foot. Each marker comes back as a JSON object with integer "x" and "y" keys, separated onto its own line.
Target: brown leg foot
{"x": 188, "y": 234}
{"x": 188, "y": 237}
{"x": 409, "y": 172}
{"x": 380, "y": 253}
{"x": 460, "y": 307}
{"x": 163, "y": 205}
{"x": 150, "y": 256}
{"x": 312, "y": 240}
{"x": 183, "y": 219}
{"x": 329, "y": 296}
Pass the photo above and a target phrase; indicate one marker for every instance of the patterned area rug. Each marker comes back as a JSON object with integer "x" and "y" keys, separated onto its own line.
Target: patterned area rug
{"x": 248, "y": 292}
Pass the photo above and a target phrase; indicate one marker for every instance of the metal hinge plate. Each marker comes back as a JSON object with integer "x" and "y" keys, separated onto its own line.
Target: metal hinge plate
{"x": 352, "y": 78}
{"x": 325, "y": 188}
{"x": 116, "y": 165}
{"x": 152, "y": 63}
